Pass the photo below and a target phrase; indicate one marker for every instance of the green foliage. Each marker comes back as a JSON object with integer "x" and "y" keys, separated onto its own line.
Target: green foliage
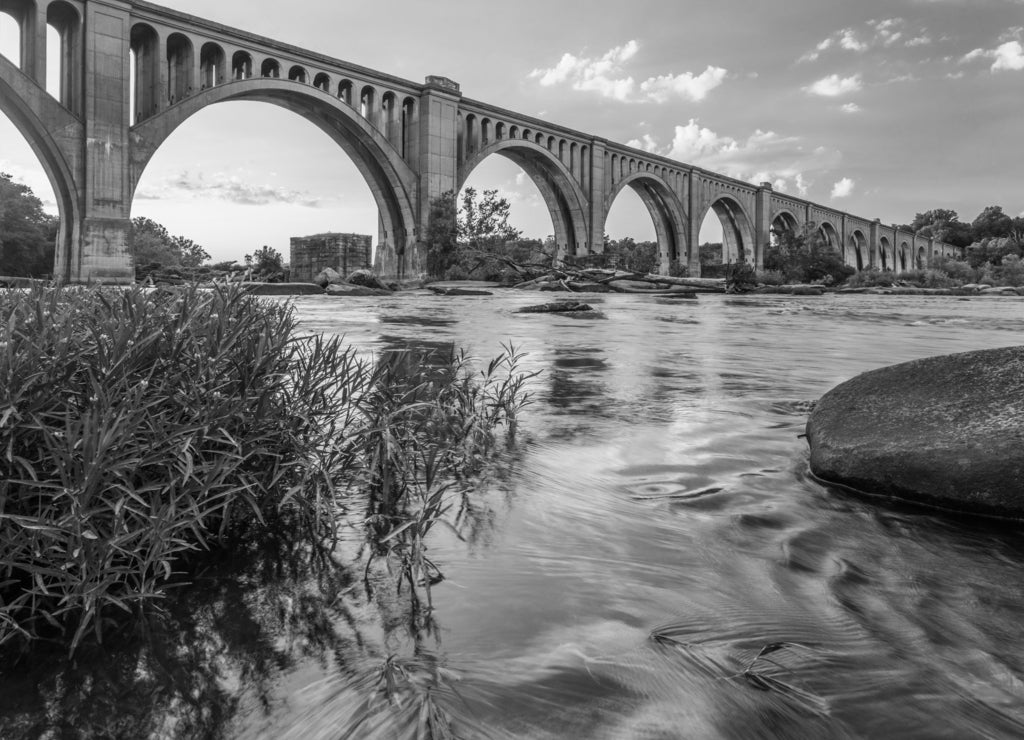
{"x": 27, "y": 233}
{"x": 1011, "y": 272}
{"x": 430, "y": 422}
{"x": 483, "y": 223}
{"x": 151, "y": 244}
{"x": 991, "y": 223}
{"x": 266, "y": 262}
{"x": 627, "y": 254}
{"x": 942, "y": 224}
{"x": 806, "y": 257}
{"x": 140, "y": 427}
{"x": 993, "y": 251}
{"x": 442, "y": 235}
{"x": 710, "y": 253}
{"x": 140, "y": 430}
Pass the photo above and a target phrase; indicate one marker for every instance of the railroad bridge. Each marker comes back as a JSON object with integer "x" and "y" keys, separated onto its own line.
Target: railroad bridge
{"x": 131, "y": 72}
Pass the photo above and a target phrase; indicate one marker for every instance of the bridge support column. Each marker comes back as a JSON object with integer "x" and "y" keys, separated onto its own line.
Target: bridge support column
{"x": 873, "y": 256}
{"x": 596, "y": 195}
{"x": 693, "y": 212}
{"x": 103, "y": 254}
{"x": 438, "y": 168}
{"x": 762, "y": 224}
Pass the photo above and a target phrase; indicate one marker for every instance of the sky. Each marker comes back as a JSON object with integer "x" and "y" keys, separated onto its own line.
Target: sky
{"x": 880, "y": 108}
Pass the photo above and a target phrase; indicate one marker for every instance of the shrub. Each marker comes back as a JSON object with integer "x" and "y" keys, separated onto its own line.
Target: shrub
{"x": 138, "y": 428}
{"x": 771, "y": 277}
{"x": 960, "y": 271}
{"x": 1011, "y": 272}
{"x": 870, "y": 278}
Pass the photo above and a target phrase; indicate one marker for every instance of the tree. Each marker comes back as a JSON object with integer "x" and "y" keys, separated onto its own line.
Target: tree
{"x": 806, "y": 256}
{"x": 442, "y": 234}
{"x": 150, "y": 243}
{"x": 992, "y": 223}
{"x": 27, "y": 233}
{"x": 484, "y": 224}
{"x": 628, "y": 254}
{"x": 265, "y": 261}
{"x": 943, "y": 225}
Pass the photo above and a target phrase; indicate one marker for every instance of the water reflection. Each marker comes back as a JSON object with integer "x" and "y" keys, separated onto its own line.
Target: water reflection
{"x": 621, "y": 568}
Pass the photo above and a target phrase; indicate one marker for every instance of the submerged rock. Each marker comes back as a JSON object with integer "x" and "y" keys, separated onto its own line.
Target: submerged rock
{"x": 557, "y": 307}
{"x": 347, "y": 289}
{"x": 945, "y": 431}
{"x": 283, "y": 289}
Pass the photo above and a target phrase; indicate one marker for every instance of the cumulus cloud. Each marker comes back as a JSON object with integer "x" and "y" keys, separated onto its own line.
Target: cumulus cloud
{"x": 606, "y": 75}
{"x": 834, "y": 86}
{"x": 850, "y": 108}
{"x": 1007, "y": 57}
{"x": 764, "y": 156}
{"x": 686, "y": 85}
{"x": 231, "y": 188}
{"x": 842, "y": 189}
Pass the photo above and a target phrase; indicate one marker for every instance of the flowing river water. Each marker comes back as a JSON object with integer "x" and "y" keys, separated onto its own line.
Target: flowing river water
{"x": 655, "y": 529}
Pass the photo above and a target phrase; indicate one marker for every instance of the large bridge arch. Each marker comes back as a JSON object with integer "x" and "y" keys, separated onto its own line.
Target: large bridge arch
{"x": 856, "y": 253}
{"x": 783, "y": 220}
{"x": 738, "y": 244}
{"x": 830, "y": 234}
{"x": 27, "y": 104}
{"x": 392, "y": 182}
{"x": 666, "y": 212}
{"x": 563, "y": 197}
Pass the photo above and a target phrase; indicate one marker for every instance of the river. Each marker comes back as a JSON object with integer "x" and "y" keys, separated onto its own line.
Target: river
{"x": 653, "y": 532}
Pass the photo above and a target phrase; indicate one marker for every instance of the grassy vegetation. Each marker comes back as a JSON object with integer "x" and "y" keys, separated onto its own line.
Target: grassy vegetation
{"x": 140, "y": 430}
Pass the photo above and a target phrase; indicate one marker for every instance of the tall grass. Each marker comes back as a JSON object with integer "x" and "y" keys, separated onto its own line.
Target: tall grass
{"x": 139, "y": 430}
{"x": 430, "y": 423}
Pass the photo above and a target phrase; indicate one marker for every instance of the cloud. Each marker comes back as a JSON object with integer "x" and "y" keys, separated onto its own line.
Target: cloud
{"x": 834, "y": 86}
{"x": 850, "y": 108}
{"x": 606, "y": 76}
{"x": 764, "y": 156}
{"x": 849, "y": 41}
{"x": 686, "y": 85}
{"x": 875, "y": 34}
{"x": 1008, "y": 56}
{"x": 922, "y": 40}
{"x": 842, "y": 189}
{"x": 233, "y": 189}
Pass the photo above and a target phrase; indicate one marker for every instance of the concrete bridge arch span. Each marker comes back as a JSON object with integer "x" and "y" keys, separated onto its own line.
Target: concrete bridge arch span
{"x": 392, "y": 183}
{"x": 738, "y": 241}
{"x": 830, "y": 234}
{"x": 28, "y": 105}
{"x": 857, "y": 252}
{"x": 566, "y": 203}
{"x": 666, "y": 211}
{"x": 784, "y": 220}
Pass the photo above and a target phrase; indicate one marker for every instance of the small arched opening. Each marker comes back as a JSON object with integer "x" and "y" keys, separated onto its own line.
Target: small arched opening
{"x": 180, "y": 63}
{"x": 144, "y": 67}
{"x": 212, "y": 63}
{"x": 241, "y": 65}
{"x": 270, "y": 68}
{"x": 298, "y": 74}
{"x": 323, "y": 82}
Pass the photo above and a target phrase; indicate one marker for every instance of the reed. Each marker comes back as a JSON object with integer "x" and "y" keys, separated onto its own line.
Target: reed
{"x": 139, "y": 428}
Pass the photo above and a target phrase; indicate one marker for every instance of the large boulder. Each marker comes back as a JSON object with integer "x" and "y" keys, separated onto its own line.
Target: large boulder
{"x": 328, "y": 276}
{"x": 945, "y": 431}
{"x": 367, "y": 279}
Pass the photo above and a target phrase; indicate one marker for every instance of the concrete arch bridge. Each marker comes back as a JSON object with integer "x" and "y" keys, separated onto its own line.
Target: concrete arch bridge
{"x": 131, "y": 72}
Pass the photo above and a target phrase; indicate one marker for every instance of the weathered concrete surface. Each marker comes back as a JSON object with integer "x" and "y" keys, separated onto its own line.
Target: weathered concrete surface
{"x": 944, "y": 431}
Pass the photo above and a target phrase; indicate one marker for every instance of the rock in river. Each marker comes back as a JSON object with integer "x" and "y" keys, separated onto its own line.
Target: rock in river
{"x": 945, "y": 431}
{"x": 557, "y": 307}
